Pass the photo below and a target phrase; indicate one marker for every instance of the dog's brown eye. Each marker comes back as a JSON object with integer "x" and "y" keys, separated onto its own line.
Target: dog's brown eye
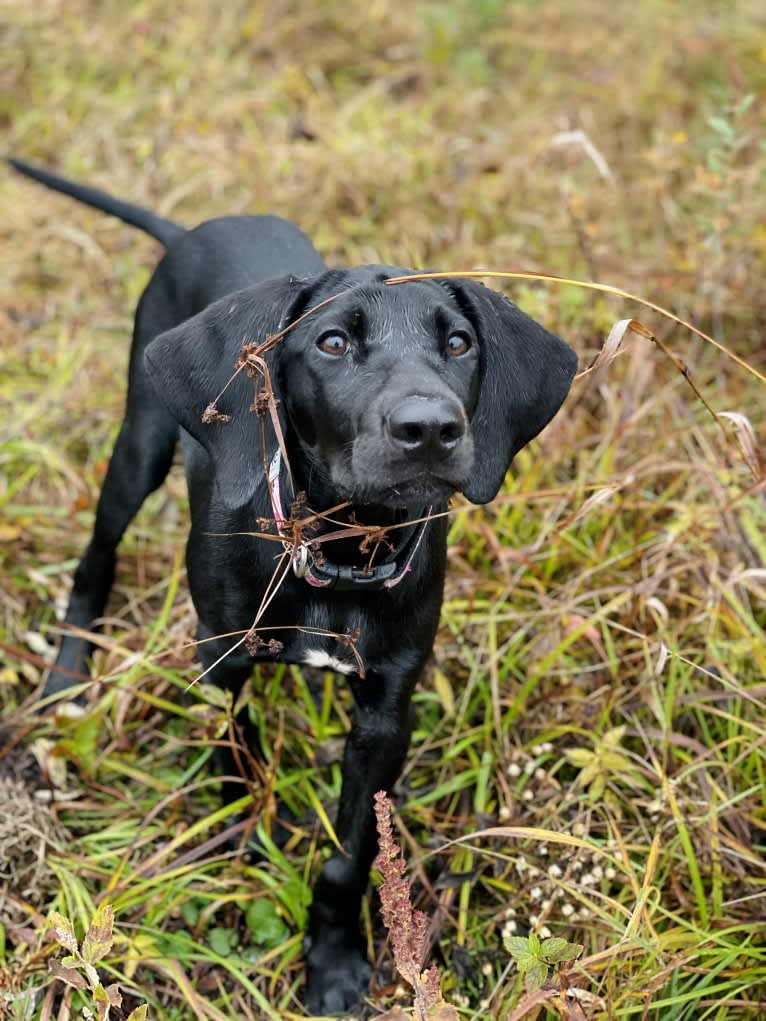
{"x": 333, "y": 344}
{"x": 458, "y": 344}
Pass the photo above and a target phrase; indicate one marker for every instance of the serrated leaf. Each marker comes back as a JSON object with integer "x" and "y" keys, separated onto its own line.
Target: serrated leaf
{"x": 98, "y": 939}
{"x": 63, "y": 931}
{"x": 516, "y": 945}
{"x": 535, "y": 975}
{"x": 534, "y": 944}
{"x": 68, "y": 975}
{"x": 556, "y": 949}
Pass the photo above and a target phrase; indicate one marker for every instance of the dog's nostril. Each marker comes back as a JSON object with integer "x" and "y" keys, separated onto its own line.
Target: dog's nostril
{"x": 425, "y": 427}
{"x": 451, "y": 432}
{"x": 411, "y": 432}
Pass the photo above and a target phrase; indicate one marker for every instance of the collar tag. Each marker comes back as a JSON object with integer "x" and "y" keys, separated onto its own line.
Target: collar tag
{"x": 300, "y": 558}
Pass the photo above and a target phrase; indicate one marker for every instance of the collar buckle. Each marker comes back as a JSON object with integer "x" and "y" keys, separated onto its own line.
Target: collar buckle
{"x": 344, "y": 577}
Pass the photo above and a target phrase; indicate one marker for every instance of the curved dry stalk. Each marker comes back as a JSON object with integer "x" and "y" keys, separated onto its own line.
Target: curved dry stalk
{"x": 588, "y": 285}
{"x": 290, "y": 533}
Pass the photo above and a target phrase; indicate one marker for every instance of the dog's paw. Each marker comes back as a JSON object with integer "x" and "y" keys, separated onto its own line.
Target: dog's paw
{"x": 69, "y": 671}
{"x": 337, "y": 977}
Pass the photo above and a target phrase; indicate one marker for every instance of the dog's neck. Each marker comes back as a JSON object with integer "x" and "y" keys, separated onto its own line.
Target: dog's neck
{"x": 358, "y": 550}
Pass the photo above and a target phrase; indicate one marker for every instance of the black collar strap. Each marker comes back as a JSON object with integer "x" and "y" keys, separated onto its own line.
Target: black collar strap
{"x": 344, "y": 577}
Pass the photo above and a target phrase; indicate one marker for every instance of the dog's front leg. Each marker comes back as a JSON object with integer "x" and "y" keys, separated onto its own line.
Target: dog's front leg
{"x": 338, "y": 972}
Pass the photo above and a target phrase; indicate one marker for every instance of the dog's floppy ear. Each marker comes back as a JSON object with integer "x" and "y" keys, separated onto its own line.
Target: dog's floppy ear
{"x": 525, "y": 375}
{"x": 191, "y": 364}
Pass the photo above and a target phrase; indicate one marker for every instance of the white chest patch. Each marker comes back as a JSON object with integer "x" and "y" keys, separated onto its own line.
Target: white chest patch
{"x": 317, "y": 658}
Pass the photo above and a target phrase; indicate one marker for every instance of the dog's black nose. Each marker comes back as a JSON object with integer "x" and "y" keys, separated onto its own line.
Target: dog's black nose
{"x": 426, "y": 427}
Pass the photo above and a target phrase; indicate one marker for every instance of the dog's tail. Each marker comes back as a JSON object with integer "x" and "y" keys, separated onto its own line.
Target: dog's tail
{"x": 164, "y": 231}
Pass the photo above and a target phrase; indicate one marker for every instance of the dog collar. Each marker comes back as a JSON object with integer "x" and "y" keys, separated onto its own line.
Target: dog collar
{"x": 342, "y": 577}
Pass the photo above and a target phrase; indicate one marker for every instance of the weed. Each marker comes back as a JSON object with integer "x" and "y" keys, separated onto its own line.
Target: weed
{"x": 78, "y": 968}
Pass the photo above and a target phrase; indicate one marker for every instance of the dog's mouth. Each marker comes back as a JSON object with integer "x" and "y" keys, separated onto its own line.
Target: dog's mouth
{"x": 413, "y": 493}
{"x": 368, "y": 475}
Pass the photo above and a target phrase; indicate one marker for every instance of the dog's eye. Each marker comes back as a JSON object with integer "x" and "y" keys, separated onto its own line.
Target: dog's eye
{"x": 334, "y": 344}
{"x": 458, "y": 344}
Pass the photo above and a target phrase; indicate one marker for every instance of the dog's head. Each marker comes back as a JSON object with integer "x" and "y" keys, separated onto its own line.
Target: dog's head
{"x": 391, "y": 395}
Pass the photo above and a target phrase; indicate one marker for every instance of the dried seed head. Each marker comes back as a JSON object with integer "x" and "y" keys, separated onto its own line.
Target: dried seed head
{"x": 212, "y": 414}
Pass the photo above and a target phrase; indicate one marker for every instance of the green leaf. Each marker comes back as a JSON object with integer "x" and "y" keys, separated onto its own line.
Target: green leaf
{"x": 597, "y": 787}
{"x": 555, "y": 950}
{"x": 535, "y": 975}
{"x": 579, "y": 757}
{"x": 517, "y": 946}
{"x": 612, "y": 738}
{"x": 266, "y": 927}
{"x": 222, "y": 941}
{"x": 221, "y": 698}
{"x": 138, "y": 1014}
{"x": 190, "y": 912}
{"x": 721, "y": 127}
{"x": 615, "y": 762}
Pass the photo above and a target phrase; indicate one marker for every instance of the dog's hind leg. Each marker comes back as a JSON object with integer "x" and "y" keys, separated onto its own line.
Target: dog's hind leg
{"x": 140, "y": 461}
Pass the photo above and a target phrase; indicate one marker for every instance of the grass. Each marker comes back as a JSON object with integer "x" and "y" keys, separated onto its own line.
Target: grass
{"x": 589, "y": 754}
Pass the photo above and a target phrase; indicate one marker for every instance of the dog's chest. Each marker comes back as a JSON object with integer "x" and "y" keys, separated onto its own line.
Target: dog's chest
{"x": 328, "y": 632}
{"x": 325, "y": 660}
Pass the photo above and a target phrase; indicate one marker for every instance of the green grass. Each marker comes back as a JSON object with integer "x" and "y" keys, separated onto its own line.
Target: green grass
{"x": 589, "y": 754}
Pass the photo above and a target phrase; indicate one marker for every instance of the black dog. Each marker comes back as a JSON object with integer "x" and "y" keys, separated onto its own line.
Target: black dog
{"x": 390, "y": 398}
